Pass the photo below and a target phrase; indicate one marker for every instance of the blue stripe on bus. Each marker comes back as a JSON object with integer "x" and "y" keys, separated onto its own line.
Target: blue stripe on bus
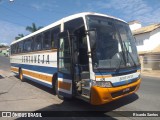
{"x": 44, "y": 69}
{"x": 64, "y": 76}
{"x": 121, "y": 71}
{"x": 37, "y": 81}
{"x": 124, "y": 82}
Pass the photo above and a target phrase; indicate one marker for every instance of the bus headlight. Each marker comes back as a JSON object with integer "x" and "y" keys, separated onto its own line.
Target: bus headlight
{"x": 101, "y": 83}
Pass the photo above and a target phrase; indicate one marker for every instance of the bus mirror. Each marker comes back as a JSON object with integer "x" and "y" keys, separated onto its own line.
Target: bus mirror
{"x": 74, "y": 39}
{"x": 135, "y": 39}
{"x": 92, "y": 37}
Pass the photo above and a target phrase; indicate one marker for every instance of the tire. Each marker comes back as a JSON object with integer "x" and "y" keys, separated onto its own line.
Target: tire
{"x": 21, "y": 75}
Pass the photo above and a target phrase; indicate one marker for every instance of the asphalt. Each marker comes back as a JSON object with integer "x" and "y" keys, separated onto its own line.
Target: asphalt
{"x": 29, "y": 96}
{"x": 153, "y": 73}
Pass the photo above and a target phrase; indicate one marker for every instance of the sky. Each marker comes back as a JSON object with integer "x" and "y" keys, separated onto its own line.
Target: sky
{"x": 15, "y": 16}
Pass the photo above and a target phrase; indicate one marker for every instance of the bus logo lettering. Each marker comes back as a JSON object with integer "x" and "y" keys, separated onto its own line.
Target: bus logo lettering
{"x": 36, "y": 59}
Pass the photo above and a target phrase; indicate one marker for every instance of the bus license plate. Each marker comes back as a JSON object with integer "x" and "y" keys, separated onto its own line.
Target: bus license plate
{"x": 126, "y": 90}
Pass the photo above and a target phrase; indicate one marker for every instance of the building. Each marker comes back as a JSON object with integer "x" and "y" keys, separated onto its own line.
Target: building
{"x": 4, "y": 51}
{"x": 148, "y": 44}
{"x": 134, "y": 25}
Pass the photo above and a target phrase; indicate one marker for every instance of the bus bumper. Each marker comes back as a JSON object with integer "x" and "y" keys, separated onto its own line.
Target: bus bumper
{"x": 101, "y": 95}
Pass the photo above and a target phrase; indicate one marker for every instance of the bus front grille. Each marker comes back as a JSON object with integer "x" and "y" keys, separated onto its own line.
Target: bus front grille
{"x": 123, "y": 92}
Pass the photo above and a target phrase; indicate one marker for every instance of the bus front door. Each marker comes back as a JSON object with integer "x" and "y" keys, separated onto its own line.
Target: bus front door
{"x": 65, "y": 75}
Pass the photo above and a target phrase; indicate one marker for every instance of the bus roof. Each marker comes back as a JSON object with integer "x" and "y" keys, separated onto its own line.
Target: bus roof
{"x": 65, "y": 19}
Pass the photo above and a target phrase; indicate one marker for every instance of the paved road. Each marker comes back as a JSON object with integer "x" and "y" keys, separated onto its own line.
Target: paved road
{"x": 28, "y": 96}
{"x": 4, "y": 63}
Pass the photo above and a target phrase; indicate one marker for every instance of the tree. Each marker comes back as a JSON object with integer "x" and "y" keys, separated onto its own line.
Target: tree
{"x": 33, "y": 28}
{"x": 19, "y": 36}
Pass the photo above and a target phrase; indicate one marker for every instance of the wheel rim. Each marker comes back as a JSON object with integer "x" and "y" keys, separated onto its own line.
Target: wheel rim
{"x": 21, "y": 76}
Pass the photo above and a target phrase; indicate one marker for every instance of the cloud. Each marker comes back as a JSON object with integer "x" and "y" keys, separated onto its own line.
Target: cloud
{"x": 9, "y": 31}
{"x": 131, "y": 10}
{"x": 36, "y": 6}
{"x": 44, "y": 6}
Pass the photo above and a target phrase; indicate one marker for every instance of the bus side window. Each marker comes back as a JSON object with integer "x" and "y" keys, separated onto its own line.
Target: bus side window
{"x": 28, "y": 45}
{"x": 47, "y": 40}
{"x": 54, "y": 36}
{"x": 38, "y": 42}
{"x": 13, "y": 49}
{"x": 20, "y": 47}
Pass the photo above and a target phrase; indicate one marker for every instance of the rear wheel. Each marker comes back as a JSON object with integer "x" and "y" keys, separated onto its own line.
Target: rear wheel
{"x": 21, "y": 75}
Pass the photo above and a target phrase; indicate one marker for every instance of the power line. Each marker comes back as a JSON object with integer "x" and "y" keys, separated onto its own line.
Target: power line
{"x": 17, "y": 13}
{"x": 13, "y": 22}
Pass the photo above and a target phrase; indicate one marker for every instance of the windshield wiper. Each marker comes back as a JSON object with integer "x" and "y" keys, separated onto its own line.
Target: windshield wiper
{"x": 119, "y": 62}
{"x": 129, "y": 54}
{"x": 104, "y": 68}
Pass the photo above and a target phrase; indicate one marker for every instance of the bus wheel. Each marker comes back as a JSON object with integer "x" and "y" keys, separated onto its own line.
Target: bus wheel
{"x": 21, "y": 75}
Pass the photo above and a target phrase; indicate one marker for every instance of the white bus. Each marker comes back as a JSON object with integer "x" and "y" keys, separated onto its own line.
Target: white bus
{"x": 89, "y": 56}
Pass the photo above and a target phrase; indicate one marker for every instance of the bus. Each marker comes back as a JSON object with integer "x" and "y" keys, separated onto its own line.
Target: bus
{"x": 89, "y": 56}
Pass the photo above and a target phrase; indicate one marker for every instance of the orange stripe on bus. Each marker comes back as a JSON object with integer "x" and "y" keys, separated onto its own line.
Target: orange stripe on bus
{"x": 39, "y": 76}
{"x": 14, "y": 69}
{"x": 64, "y": 85}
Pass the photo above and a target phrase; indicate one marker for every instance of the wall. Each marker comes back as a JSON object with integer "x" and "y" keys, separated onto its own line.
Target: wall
{"x": 151, "y": 62}
{"x": 135, "y": 26}
{"x": 4, "y": 52}
{"x": 151, "y": 40}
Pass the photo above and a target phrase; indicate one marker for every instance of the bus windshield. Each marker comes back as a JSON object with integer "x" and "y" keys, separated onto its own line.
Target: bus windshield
{"x": 114, "y": 45}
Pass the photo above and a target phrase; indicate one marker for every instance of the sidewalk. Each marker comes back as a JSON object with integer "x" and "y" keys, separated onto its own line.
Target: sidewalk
{"x": 6, "y": 73}
{"x": 151, "y": 73}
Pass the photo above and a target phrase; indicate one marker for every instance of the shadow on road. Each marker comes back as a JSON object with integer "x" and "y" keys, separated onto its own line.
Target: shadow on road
{"x": 79, "y": 105}
{"x": 42, "y": 87}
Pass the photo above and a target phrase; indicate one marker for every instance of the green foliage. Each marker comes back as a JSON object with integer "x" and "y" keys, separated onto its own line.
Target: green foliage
{"x": 19, "y": 36}
{"x": 33, "y": 28}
